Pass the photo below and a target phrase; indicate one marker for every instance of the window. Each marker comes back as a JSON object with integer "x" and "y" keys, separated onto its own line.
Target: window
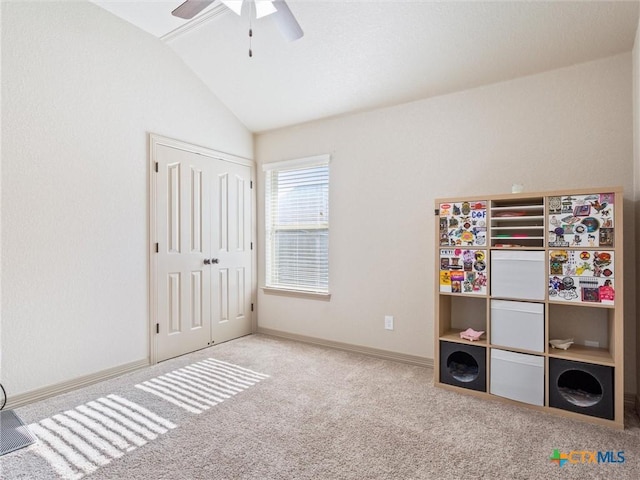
{"x": 297, "y": 224}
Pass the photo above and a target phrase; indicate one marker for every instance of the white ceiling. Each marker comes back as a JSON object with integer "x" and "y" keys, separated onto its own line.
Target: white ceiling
{"x": 360, "y": 55}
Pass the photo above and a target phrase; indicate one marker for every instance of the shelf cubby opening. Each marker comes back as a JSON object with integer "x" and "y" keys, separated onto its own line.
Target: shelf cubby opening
{"x": 464, "y": 312}
{"x": 590, "y": 329}
{"x": 517, "y": 223}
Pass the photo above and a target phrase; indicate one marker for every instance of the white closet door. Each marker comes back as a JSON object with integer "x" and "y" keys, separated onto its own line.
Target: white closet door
{"x": 231, "y": 251}
{"x": 183, "y": 213}
{"x": 204, "y": 268}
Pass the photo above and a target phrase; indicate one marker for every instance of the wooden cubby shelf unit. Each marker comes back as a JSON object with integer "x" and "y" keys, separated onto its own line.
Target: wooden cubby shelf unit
{"x": 525, "y": 269}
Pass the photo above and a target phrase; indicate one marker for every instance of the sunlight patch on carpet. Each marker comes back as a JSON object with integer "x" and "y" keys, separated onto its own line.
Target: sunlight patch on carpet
{"x": 199, "y": 386}
{"x": 79, "y": 441}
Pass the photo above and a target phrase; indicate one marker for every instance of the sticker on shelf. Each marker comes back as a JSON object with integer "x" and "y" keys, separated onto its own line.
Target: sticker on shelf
{"x": 463, "y": 224}
{"x": 581, "y": 276}
{"x": 463, "y": 271}
{"x": 581, "y": 220}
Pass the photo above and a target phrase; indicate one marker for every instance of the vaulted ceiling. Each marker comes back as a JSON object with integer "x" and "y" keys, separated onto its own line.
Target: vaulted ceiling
{"x": 361, "y": 55}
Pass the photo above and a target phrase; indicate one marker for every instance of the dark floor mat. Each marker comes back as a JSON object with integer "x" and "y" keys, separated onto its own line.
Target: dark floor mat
{"x": 13, "y": 433}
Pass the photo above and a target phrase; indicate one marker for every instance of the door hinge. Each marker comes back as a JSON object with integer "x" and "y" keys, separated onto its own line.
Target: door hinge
{"x": 251, "y": 184}
{"x": 156, "y": 167}
{"x": 157, "y": 328}
{"x": 157, "y": 248}
{"x": 252, "y": 307}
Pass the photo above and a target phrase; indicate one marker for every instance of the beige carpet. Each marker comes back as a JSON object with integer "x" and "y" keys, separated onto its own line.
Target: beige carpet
{"x": 265, "y": 408}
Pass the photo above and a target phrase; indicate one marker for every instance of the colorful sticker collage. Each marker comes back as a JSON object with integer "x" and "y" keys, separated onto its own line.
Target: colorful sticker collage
{"x": 463, "y": 224}
{"x": 581, "y": 276}
{"x": 463, "y": 271}
{"x": 582, "y": 220}
{"x": 579, "y": 221}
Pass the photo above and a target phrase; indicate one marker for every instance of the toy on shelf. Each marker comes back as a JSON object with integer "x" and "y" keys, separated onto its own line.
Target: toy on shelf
{"x": 561, "y": 344}
{"x": 471, "y": 334}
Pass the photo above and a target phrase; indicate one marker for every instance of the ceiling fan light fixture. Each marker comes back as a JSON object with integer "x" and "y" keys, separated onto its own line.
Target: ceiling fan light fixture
{"x": 282, "y": 16}
{"x": 286, "y": 22}
{"x": 264, "y": 8}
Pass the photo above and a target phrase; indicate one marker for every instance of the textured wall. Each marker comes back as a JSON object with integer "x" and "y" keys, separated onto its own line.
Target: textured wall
{"x": 81, "y": 89}
{"x": 566, "y": 128}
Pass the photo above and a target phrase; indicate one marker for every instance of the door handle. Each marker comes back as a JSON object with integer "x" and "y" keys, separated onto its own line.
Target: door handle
{"x": 207, "y": 261}
{"x": 214, "y": 260}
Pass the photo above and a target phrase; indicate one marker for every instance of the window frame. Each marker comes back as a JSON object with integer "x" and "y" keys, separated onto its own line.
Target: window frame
{"x": 295, "y": 164}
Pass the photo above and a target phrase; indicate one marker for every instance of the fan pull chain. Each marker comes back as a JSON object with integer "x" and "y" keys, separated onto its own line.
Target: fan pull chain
{"x": 251, "y": 13}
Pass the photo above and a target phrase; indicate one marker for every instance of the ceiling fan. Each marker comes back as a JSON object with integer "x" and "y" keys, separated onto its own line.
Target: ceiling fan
{"x": 285, "y": 22}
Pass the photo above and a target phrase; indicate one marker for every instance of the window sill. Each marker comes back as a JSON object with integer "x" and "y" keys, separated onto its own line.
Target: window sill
{"x": 297, "y": 293}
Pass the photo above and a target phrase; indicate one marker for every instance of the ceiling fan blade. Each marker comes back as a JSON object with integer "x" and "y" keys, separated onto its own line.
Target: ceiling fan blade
{"x": 234, "y": 5}
{"x": 286, "y": 22}
{"x": 191, "y": 8}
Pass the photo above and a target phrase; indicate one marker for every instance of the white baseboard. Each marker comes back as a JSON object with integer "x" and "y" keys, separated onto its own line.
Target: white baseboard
{"x": 59, "y": 388}
{"x": 373, "y": 352}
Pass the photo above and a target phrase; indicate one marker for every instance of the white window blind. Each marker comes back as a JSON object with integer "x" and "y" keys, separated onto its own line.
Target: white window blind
{"x": 297, "y": 224}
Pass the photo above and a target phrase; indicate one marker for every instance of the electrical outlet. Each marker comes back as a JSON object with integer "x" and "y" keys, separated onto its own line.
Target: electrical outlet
{"x": 591, "y": 343}
{"x": 388, "y": 322}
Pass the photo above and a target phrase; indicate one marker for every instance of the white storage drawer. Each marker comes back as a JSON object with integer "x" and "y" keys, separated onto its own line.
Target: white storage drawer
{"x": 518, "y": 274}
{"x": 517, "y": 376}
{"x": 517, "y": 325}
